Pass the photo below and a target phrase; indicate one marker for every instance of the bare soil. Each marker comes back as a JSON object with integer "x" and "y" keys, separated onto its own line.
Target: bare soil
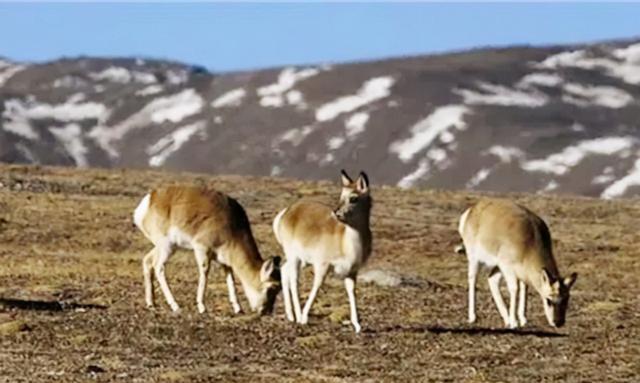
{"x": 72, "y": 304}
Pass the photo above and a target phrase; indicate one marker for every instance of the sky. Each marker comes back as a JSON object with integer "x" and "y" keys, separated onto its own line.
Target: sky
{"x": 242, "y": 36}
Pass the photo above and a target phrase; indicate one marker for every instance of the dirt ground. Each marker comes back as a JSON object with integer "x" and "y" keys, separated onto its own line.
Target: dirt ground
{"x": 72, "y": 304}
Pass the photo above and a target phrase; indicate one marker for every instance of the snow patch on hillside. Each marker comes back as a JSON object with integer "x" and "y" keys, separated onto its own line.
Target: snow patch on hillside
{"x": 618, "y": 188}
{"x": 410, "y": 179}
{"x": 425, "y": 131}
{"x": 294, "y": 136}
{"x": 70, "y": 136}
{"x": 604, "y": 178}
{"x": 8, "y": 70}
{"x": 149, "y": 90}
{"x": 231, "y": 98}
{"x": 123, "y": 76}
{"x": 172, "y": 142}
{"x": 506, "y": 154}
{"x": 477, "y": 178}
{"x": 273, "y": 95}
{"x": 372, "y": 90}
{"x": 540, "y": 79}
{"x": 492, "y": 94}
{"x": 626, "y": 65}
{"x": 561, "y": 163}
{"x": 173, "y": 108}
{"x": 606, "y": 96}
{"x": 356, "y": 124}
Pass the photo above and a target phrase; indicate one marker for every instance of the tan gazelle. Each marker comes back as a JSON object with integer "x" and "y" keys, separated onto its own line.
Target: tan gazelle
{"x": 314, "y": 233}
{"x": 514, "y": 243}
{"x": 215, "y": 227}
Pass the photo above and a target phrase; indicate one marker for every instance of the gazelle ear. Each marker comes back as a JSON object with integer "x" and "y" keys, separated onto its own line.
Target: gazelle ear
{"x": 267, "y": 269}
{"x": 570, "y": 280}
{"x": 362, "y": 183}
{"x": 546, "y": 278}
{"x": 346, "y": 180}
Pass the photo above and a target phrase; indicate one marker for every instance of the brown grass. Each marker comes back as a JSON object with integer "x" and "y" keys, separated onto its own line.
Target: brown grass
{"x": 66, "y": 236}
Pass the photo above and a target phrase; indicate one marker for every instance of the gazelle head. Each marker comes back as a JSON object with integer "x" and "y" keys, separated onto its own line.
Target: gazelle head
{"x": 555, "y": 297}
{"x": 355, "y": 201}
{"x": 265, "y": 298}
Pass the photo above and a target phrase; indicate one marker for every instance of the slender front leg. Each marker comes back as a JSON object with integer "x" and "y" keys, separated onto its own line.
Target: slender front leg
{"x": 294, "y": 268}
{"x": 204, "y": 262}
{"x": 147, "y": 265}
{"x": 512, "y": 286}
{"x": 233, "y": 296}
{"x": 494, "y": 286}
{"x": 286, "y": 292}
{"x": 522, "y": 305}
{"x": 162, "y": 256}
{"x": 319, "y": 273}
{"x": 350, "y": 285}
{"x": 472, "y": 274}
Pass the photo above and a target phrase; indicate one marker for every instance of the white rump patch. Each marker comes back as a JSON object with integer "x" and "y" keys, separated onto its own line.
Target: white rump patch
{"x": 372, "y": 90}
{"x": 172, "y": 142}
{"x": 141, "y": 211}
{"x": 425, "y": 131}
{"x": 561, "y": 163}
{"x": 229, "y": 99}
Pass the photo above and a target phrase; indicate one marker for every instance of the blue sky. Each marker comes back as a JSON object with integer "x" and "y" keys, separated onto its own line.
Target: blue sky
{"x": 227, "y": 36}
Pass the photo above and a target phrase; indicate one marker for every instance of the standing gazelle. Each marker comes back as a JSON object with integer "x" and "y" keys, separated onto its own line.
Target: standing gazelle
{"x": 313, "y": 233}
{"x": 214, "y": 226}
{"x": 515, "y": 244}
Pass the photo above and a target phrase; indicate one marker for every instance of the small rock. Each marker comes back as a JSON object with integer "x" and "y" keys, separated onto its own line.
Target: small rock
{"x": 93, "y": 369}
{"x": 13, "y": 327}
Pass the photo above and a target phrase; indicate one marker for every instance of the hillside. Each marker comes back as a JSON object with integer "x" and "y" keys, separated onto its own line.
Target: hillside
{"x": 72, "y": 300}
{"x": 560, "y": 119}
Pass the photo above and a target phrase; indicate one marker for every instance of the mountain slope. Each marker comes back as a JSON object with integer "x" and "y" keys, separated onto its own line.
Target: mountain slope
{"x": 553, "y": 119}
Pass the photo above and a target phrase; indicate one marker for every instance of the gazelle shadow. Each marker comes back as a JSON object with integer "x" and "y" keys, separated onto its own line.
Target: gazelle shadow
{"x": 35, "y": 305}
{"x": 480, "y": 331}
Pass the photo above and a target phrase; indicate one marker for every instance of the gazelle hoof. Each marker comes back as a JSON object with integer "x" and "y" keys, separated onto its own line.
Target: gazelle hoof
{"x": 201, "y": 308}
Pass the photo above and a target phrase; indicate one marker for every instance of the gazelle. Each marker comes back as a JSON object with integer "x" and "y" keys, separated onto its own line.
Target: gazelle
{"x": 515, "y": 244}
{"x": 215, "y": 227}
{"x": 314, "y": 233}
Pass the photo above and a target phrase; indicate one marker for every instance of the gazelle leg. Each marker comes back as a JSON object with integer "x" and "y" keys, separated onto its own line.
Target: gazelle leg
{"x": 472, "y": 276}
{"x": 286, "y": 292}
{"x": 294, "y": 269}
{"x": 203, "y": 262}
{"x": 522, "y": 305}
{"x": 147, "y": 265}
{"x": 233, "y": 296}
{"x": 512, "y": 287}
{"x": 350, "y": 285}
{"x": 164, "y": 252}
{"x": 494, "y": 286}
{"x": 319, "y": 273}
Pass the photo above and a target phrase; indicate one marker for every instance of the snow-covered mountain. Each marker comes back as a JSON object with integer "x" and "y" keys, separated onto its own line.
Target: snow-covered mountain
{"x": 552, "y": 119}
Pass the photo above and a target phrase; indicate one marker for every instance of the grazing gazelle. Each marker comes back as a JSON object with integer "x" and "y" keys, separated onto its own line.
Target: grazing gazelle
{"x": 515, "y": 244}
{"x": 215, "y": 227}
{"x": 314, "y": 233}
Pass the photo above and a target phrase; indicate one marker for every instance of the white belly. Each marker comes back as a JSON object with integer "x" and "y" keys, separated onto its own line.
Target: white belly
{"x": 178, "y": 238}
